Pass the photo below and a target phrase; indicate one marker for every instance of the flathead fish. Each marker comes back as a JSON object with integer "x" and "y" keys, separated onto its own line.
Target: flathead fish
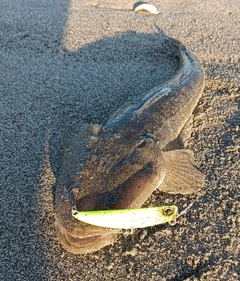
{"x": 125, "y": 160}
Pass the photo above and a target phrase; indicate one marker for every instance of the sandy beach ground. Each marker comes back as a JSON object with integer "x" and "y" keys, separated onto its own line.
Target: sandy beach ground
{"x": 66, "y": 64}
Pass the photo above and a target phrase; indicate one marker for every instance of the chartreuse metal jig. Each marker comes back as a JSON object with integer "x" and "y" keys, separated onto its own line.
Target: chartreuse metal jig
{"x": 128, "y": 218}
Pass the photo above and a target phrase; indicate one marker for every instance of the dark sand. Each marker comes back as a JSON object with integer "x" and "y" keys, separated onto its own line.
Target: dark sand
{"x": 64, "y": 65}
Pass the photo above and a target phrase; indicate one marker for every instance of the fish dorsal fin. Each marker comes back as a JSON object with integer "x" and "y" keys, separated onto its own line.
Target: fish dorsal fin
{"x": 181, "y": 175}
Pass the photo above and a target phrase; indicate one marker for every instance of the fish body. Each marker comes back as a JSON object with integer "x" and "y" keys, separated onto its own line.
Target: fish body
{"x": 127, "y": 159}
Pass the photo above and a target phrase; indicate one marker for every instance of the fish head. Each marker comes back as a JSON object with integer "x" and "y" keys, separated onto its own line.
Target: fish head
{"x": 120, "y": 171}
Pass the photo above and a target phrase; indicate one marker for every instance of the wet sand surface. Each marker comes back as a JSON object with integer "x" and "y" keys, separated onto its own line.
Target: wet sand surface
{"x": 67, "y": 64}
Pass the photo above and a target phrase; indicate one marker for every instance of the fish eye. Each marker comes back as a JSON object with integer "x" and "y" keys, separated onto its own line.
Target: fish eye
{"x": 110, "y": 200}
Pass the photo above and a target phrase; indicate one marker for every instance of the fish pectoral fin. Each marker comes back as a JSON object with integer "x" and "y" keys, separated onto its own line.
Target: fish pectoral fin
{"x": 181, "y": 175}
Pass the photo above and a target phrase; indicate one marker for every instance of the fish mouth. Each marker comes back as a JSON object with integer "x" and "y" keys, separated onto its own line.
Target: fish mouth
{"x": 83, "y": 245}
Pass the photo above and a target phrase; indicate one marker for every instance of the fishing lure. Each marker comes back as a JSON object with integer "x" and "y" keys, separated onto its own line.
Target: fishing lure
{"x": 128, "y": 218}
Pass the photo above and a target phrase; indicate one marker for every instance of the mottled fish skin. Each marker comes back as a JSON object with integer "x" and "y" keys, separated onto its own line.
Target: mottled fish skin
{"x": 125, "y": 161}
